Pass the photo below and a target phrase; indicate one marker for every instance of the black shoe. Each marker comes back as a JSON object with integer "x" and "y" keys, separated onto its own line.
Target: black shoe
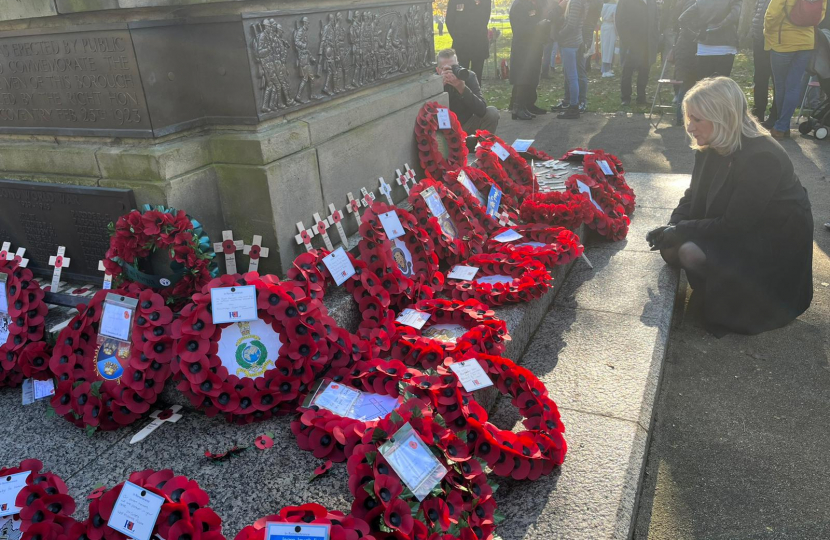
{"x": 769, "y": 123}
{"x": 571, "y": 113}
{"x": 583, "y": 107}
{"x": 626, "y": 103}
{"x": 561, "y": 106}
{"x": 533, "y": 109}
{"x": 522, "y": 114}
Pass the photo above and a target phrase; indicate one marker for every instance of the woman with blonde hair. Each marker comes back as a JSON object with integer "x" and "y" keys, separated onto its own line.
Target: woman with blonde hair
{"x": 743, "y": 231}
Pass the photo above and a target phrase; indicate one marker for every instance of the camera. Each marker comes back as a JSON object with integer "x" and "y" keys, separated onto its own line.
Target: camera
{"x": 461, "y": 73}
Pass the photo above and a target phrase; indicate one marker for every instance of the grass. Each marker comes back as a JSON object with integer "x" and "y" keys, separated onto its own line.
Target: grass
{"x": 603, "y": 94}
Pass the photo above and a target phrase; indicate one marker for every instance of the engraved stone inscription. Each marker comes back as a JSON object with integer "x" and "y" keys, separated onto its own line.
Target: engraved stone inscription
{"x": 299, "y": 59}
{"x": 80, "y": 80}
{"x": 41, "y": 217}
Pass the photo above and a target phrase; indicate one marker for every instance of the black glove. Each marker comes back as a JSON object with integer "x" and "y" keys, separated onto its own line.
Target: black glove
{"x": 654, "y": 236}
{"x": 668, "y": 238}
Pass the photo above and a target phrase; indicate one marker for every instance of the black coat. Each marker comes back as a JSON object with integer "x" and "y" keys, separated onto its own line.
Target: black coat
{"x": 751, "y": 216}
{"x": 529, "y": 37}
{"x": 716, "y": 21}
{"x": 467, "y": 22}
{"x": 638, "y": 27}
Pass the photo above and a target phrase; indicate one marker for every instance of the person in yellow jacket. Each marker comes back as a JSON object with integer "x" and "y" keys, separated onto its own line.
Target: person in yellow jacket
{"x": 791, "y": 47}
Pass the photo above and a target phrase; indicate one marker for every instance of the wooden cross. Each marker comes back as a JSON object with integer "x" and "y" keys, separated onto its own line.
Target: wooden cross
{"x": 410, "y": 173}
{"x": 229, "y": 247}
{"x": 402, "y": 180}
{"x": 59, "y": 262}
{"x": 255, "y": 251}
{"x": 305, "y": 236}
{"x": 159, "y": 417}
{"x": 4, "y": 251}
{"x": 107, "y": 275}
{"x": 368, "y": 197}
{"x": 354, "y": 207}
{"x": 335, "y": 217}
{"x": 18, "y": 256}
{"x": 386, "y": 189}
{"x": 321, "y": 225}
{"x": 504, "y": 219}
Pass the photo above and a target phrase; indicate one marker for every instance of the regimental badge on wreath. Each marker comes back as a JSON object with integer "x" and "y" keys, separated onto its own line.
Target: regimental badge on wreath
{"x": 110, "y": 358}
{"x": 251, "y": 356}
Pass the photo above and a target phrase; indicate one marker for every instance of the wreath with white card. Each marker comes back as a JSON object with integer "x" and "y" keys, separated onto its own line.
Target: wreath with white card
{"x": 607, "y": 169}
{"x": 103, "y": 382}
{"x": 608, "y": 216}
{"x": 426, "y": 137}
{"x": 340, "y": 526}
{"x": 473, "y": 186}
{"x": 557, "y": 209}
{"x": 254, "y": 368}
{"x": 551, "y": 246}
{"x": 22, "y": 326}
{"x": 501, "y": 279}
{"x": 504, "y": 165}
{"x": 454, "y": 328}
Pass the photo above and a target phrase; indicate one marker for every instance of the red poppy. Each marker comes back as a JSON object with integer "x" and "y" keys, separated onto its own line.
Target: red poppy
{"x": 264, "y": 442}
{"x": 322, "y": 469}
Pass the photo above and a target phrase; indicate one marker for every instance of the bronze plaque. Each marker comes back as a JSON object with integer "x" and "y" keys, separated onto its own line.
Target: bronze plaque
{"x": 301, "y": 58}
{"x": 41, "y": 217}
{"x": 74, "y": 83}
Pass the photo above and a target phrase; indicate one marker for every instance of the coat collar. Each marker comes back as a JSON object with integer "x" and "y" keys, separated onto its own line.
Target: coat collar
{"x": 723, "y": 168}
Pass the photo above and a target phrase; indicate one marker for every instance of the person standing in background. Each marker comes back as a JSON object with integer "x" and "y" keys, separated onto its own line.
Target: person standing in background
{"x": 571, "y": 50}
{"x": 716, "y": 25}
{"x": 531, "y": 29}
{"x": 791, "y": 47}
{"x": 608, "y": 37}
{"x": 761, "y": 66}
{"x": 467, "y": 22}
{"x": 637, "y": 26}
{"x": 594, "y": 9}
{"x": 684, "y": 56}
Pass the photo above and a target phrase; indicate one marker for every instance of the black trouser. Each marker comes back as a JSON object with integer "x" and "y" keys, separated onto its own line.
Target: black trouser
{"x": 712, "y": 66}
{"x": 634, "y": 59}
{"x": 762, "y": 78}
{"x": 476, "y": 66}
{"x": 524, "y": 96}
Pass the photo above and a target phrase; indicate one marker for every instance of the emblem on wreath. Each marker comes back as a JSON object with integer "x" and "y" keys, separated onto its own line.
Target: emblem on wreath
{"x": 251, "y": 353}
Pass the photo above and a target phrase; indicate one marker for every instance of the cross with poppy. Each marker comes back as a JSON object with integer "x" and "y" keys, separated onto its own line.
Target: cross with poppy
{"x": 255, "y": 251}
{"x": 504, "y": 219}
{"x": 402, "y": 180}
{"x": 410, "y": 173}
{"x": 18, "y": 256}
{"x": 4, "y": 251}
{"x": 160, "y": 417}
{"x": 321, "y": 225}
{"x": 368, "y": 197}
{"x": 335, "y": 217}
{"x": 229, "y": 247}
{"x": 107, "y": 275}
{"x": 354, "y": 207}
{"x": 60, "y": 262}
{"x": 305, "y": 236}
{"x": 386, "y": 189}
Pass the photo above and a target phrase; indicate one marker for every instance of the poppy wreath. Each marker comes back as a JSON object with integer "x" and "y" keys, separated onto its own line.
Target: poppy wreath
{"x": 23, "y": 354}
{"x": 387, "y": 261}
{"x": 558, "y": 209}
{"x": 460, "y": 506}
{"x": 513, "y": 174}
{"x": 137, "y": 235}
{"x": 184, "y": 515}
{"x": 524, "y": 455}
{"x": 478, "y": 208}
{"x": 530, "y": 280}
{"x": 470, "y": 235}
{"x": 342, "y": 526}
{"x": 609, "y": 220}
{"x": 308, "y": 338}
{"x": 483, "y": 332}
{"x": 541, "y": 155}
{"x": 108, "y": 394}
{"x": 616, "y": 181}
{"x": 559, "y": 245}
{"x": 331, "y": 436}
{"x": 45, "y": 506}
{"x": 426, "y": 137}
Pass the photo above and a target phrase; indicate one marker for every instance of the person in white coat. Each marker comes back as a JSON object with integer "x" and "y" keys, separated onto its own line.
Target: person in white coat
{"x": 608, "y": 37}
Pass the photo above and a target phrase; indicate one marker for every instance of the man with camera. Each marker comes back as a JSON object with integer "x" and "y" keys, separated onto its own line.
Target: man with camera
{"x": 465, "y": 95}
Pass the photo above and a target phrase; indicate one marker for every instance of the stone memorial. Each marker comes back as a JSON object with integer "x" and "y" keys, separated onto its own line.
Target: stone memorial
{"x": 248, "y": 115}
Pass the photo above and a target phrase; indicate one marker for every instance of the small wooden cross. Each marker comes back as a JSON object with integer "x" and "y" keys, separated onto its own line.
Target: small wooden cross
{"x": 18, "y": 256}
{"x": 255, "y": 251}
{"x": 107, "y": 275}
{"x": 410, "y": 173}
{"x": 4, "y": 251}
{"x": 159, "y": 417}
{"x": 368, "y": 197}
{"x": 386, "y": 189}
{"x": 229, "y": 247}
{"x": 59, "y": 262}
{"x": 321, "y": 225}
{"x": 402, "y": 180}
{"x": 335, "y": 217}
{"x": 504, "y": 219}
{"x": 305, "y": 236}
{"x": 354, "y": 207}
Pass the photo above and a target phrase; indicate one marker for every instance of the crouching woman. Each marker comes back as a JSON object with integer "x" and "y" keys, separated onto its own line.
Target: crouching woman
{"x": 743, "y": 231}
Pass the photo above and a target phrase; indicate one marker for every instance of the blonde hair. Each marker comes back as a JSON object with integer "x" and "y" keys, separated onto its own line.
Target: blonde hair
{"x": 721, "y": 101}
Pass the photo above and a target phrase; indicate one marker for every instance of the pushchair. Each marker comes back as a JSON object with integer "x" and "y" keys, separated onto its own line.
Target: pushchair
{"x": 818, "y": 123}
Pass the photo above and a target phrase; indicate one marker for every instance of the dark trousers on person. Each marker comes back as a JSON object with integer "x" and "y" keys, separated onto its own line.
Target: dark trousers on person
{"x": 476, "y": 66}
{"x": 634, "y": 59}
{"x": 762, "y": 78}
{"x": 524, "y": 96}
{"x": 582, "y": 77}
{"x": 715, "y": 65}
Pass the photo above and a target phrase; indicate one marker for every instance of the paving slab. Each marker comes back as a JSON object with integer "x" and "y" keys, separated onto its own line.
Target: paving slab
{"x": 658, "y": 190}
